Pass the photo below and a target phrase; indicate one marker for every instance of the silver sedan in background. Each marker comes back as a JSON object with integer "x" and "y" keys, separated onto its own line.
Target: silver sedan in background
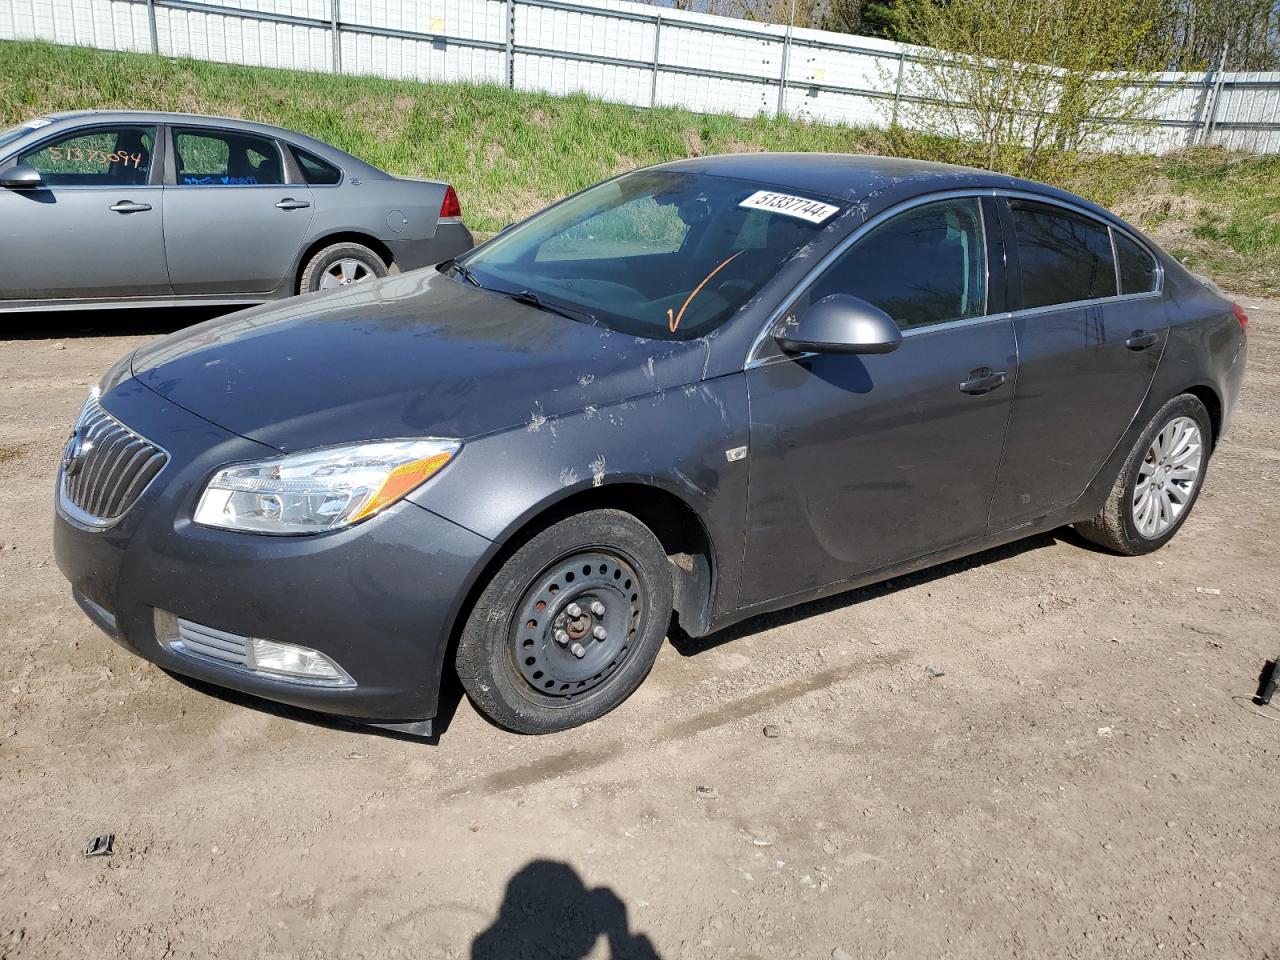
{"x": 121, "y": 208}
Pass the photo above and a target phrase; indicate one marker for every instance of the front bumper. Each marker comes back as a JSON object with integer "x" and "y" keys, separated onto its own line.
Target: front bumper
{"x": 380, "y": 598}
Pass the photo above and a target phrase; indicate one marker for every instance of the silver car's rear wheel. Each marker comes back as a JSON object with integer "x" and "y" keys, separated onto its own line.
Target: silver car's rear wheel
{"x": 1167, "y": 477}
{"x": 343, "y": 273}
{"x": 340, "y": 265}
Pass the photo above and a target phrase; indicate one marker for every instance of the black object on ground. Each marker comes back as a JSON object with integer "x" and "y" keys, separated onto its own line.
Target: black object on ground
{"x": 1267, "y": 682}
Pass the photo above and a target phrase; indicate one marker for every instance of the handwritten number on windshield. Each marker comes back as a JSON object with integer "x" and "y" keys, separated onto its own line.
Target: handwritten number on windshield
{"x": 673, "y": 319}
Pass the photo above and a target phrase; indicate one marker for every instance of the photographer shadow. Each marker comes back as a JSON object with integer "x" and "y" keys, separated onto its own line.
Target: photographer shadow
{"x": 548, "y": 912}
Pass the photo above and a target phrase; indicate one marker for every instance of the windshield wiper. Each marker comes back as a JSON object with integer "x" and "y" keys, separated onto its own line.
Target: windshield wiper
{"x": 533, "y": 300}
{"x": 460, "y": 270}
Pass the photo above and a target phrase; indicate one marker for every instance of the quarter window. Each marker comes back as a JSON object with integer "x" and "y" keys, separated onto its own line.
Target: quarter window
{"x": 1137, "y": 268}
{"x": 217, "y": 158}
{"x": 314, "y": 170}
{"x": 1064, "y": 257}
{"x": 118, "y": 156}
{"x": 921, "y": 267}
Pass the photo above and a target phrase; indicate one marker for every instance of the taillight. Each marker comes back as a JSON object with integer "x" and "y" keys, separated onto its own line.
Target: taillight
{"x": 451, "y": 207}
{"x": 1241, "y": 316}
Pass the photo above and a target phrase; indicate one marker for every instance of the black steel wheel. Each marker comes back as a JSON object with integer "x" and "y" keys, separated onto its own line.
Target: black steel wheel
{"x": 569, "y": 626}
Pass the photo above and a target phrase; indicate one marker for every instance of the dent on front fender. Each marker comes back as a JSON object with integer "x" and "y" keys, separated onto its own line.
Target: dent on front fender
{"x": 676, "y": 440}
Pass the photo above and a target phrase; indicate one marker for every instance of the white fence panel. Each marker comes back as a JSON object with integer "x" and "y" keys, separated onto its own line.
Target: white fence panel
{"x": 613, "y": 49}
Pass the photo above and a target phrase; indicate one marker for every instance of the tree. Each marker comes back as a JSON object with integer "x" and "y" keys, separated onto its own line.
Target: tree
{"x": 1028, "y": 82}
{"x": 1248, "y": 29}
{"x": 868, "y": 18}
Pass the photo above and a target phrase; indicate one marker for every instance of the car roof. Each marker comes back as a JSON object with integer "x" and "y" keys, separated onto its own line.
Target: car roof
{"x": 875, "y": 183}
{"x": 319, "y": 147}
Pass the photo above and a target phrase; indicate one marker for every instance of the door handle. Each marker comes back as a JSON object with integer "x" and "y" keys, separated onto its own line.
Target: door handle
{"x": 1141, "y": 340}
{"x": 288, "y": 203}
{"x": 128, "y": 206}
{"x": 983, "y": 380}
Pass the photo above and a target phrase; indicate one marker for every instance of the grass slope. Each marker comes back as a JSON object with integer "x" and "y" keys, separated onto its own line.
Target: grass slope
{"x": 510, "y": 153}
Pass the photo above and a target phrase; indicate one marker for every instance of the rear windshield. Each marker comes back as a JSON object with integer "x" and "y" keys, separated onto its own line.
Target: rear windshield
{"x": 654, "y": 254}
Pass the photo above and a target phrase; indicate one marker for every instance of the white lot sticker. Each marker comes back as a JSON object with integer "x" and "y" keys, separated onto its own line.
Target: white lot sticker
{"x": 800, "y": 207}
{"x": 37, "y": 124}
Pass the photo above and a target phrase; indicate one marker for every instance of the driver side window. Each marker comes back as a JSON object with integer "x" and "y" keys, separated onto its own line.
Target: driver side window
{"x": 111, "y": 157}
{"x": 925, "y": 266}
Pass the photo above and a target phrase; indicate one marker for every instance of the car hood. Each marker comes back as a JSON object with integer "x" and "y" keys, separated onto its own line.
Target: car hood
{"x": 419, "y": 354}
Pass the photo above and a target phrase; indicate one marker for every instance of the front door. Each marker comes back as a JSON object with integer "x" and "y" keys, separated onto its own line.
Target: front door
{"x": 231, "y": 224}
{"x": 93, "y": 229}
{"x": 860, "y": 462}
{"x": 1087, "y": 356}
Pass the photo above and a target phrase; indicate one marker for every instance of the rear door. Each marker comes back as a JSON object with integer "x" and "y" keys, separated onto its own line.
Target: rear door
{"x": 1087, "y": 354}
{"x": 232, "y": 223}
{"x": 860, "y": 462}
{"x": 94, "y": 229}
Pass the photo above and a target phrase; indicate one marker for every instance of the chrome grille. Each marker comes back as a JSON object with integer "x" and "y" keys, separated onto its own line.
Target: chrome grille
{"x": 202, "y": 641}
{"x": 106, "y": 468}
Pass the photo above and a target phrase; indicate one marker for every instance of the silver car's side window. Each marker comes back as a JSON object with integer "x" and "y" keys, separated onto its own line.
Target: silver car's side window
{"x": 106, "y": 156}
{"x": 924, "y": 266}
{"x": 223, "y": 158}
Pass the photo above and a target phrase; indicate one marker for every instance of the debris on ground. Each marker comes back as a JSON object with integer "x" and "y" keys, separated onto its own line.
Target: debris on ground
{"x": 706, "y": 793}
{"x": 100, "y": 846}
{"x": 772, "y": 730}
{"x": 933, "y": 673}
{"x": 1214, "y": 591}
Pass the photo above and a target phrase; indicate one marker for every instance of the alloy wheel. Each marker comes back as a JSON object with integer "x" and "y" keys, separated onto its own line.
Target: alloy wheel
{"x": 1167, "y": 477}
{"x": 343, "y": 273}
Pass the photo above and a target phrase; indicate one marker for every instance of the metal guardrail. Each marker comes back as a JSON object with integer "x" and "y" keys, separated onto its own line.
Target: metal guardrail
{"x": 1201, "y": 124}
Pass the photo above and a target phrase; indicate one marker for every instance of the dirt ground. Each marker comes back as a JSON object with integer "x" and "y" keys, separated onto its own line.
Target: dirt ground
{"x": 1086, "y": 779}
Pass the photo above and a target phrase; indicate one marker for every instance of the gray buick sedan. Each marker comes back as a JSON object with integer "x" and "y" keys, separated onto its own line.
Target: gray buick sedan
{"x": 121, "y": 208}
{"x": 712, "y": 389}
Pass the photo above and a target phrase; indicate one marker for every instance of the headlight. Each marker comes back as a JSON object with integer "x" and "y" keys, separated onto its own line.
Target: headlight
{"x": 320, "y": 489}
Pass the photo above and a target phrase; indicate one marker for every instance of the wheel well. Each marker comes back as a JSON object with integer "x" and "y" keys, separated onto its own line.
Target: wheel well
{"x": 676, "y": 525}
{"x": 373, "y": 243}
{"x": 1213, "y": 404}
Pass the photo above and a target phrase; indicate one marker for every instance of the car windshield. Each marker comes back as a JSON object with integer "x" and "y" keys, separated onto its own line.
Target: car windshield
{"x": 654, "y": 254}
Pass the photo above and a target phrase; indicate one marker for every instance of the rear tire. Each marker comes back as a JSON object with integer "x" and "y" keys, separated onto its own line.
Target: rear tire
{"x": 340, "y": 265}
{"x": 1159, "y": 482}
{"x": 533, "y": 665}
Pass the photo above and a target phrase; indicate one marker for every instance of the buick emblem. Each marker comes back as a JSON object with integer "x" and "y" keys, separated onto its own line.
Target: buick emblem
{"x": 72, "y": 454}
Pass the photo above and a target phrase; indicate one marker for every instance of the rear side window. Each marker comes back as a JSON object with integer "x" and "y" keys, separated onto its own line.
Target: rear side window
{"x": 116, "y": 156}
{"x": 1064, "y": 257}
{"x": 922, "y": 267}
{"x": 221, "y": 158}
{"x": 315, "y": 171}
{"x": 1137, "y": 268}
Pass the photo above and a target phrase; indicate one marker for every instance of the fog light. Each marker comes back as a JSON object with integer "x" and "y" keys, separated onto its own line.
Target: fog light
{"x": 295, "y": 663}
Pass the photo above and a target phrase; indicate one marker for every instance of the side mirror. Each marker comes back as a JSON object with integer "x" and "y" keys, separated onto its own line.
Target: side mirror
{"x": 21, "y": 177}
{"x": 841, "y": 324}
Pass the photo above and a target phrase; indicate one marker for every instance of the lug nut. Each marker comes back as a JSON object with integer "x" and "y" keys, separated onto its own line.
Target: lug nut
{"x": 597, "y": 608}
{"x": 578, "y": 650}
{"x": 561, "y": 637}
{"x": 599, "y": 633}
{"x": 573, "y": 610}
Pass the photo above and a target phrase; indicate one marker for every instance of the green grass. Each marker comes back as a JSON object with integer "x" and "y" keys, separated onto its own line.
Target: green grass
{"x": 510, "y": 153}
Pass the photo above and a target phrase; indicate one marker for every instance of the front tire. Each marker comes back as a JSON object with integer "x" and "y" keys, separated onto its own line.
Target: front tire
{"x": 1159, "y": 482}
{"x": 340, "y": 265}
{"x": 569, "y": 625}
